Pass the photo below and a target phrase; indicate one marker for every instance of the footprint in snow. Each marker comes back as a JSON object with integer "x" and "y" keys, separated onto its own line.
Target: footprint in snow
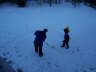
{"x": 4, "y": 54}
{"x": 56, "y": 65}
{"x": 92, "y": 69}
{"x": 16, "y": 51}
{"x": 48, "y": 63}
{"x": 19, "y": 55}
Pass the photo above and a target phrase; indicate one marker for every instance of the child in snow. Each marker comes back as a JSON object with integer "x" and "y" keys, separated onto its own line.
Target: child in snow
{"x": 38, "y": 42}
{"x": 66, "y": 38}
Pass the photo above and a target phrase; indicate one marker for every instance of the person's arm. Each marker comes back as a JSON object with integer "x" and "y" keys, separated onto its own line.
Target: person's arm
{"x": 36, "y": 32}
{"x": 66, "y": 37}
{"x": 44, "y": 37}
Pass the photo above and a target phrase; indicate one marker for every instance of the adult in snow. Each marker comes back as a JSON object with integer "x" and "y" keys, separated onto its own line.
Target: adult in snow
{"x": 66, "y": 38}
{"x": 38, "y": 42}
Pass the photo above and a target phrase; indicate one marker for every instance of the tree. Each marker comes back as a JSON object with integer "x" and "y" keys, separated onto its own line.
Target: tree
{"x": 21, "y": 3}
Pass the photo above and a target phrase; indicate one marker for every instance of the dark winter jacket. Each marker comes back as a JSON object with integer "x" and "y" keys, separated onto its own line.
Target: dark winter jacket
{"x": 40, "y": 37}
{"x": 66, "y": 37}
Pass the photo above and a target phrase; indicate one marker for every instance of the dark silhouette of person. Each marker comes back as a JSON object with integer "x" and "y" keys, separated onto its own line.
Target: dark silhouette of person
{"x": 66, "y": 38}
{"x": 38, "y": 42}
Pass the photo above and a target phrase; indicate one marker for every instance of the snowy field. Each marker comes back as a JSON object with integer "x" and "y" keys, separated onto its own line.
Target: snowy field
{"x": 17, "y": 27}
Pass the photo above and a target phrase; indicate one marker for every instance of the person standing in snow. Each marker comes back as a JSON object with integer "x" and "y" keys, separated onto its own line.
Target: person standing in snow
{"x": 38, "y": 42}
{"x": 66, "y": 38}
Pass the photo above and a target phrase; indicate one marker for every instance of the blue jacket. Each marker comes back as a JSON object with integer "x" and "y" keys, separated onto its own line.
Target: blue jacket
{"x": 40, "y": 37}
{"x": 66, "y": 37}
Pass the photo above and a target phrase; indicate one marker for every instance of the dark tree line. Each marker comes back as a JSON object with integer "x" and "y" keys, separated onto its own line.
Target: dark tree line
{"x": 50, "y": 2}
{"x": 22, "y": 3}
{"x": 75, "y": 3}
{"x": 19, "y": 3}
{"x": 91, "y": 3}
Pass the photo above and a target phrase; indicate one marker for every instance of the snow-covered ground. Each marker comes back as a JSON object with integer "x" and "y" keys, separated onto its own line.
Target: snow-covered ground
{"x": 17, "y": 27}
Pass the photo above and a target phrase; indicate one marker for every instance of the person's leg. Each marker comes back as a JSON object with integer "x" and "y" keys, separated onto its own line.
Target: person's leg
{"x": 63, "y": 45}
{"x": 40, "y": 50}
{"x": 36, "y": 47}
{"x": 67, "y": 44}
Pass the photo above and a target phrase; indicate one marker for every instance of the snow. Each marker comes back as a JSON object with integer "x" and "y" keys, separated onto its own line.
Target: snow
{"x": 17, "y": 27}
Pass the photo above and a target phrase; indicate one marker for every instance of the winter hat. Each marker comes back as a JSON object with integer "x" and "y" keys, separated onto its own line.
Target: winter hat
{"x": 45, "y": 30}
{"x": 66, "y": 29}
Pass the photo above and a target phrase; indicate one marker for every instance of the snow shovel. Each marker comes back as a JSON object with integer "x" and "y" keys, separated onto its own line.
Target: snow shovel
{"x": 49, "y": 45}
